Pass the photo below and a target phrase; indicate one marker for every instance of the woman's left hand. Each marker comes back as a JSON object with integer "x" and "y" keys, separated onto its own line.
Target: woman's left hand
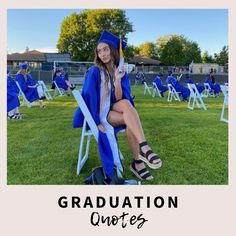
{"x": 119, "y": 74}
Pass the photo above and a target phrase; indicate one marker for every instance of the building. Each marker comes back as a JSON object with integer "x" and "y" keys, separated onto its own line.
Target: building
{"x": 37, "y": 60}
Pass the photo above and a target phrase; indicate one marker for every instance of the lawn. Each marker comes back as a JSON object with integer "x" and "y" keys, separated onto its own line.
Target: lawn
{"x": 193, "y": 145}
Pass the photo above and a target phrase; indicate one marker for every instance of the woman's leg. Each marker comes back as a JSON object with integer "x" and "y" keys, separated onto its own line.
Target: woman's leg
{"x": 116, "y": 119}
{"x": 132, "y": 121}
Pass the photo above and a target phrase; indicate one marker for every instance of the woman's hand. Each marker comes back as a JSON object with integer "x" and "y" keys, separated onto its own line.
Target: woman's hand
{"x": 101, "y": 128}
{"x": 118, "y": 74}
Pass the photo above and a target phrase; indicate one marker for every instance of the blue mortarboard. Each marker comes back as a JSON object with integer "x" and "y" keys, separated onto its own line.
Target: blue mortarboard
{"x": 160, "y": 74}
{"x": 169, "y": 72}
{"x": 23, "y": 65}
{"x": 110, "y": 38}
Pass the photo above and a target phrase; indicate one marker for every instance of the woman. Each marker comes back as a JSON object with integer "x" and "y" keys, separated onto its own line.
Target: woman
{"x": 32, "y": 90}
{"x": 185, "y": 92}
{"x": 199, "y": 87}
{"x": 163, "y": 88}
{"x": 13, "y": 102}
{"x": 62, "y": 81}
{"x": 106, "y": 92}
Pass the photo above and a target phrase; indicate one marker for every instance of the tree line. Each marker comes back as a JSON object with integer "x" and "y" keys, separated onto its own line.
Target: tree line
{"x": 79, "y": 34}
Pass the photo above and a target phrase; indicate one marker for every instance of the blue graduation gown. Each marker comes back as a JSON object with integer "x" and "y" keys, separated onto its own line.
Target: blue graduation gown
{"x": 214, "y": 87}
{"x": 199, "y": 87}
{"x": 91, "y": 96}
{"x": 12, "y": 94}
{"x": 30, "y": 93}
{"x": 61, "y": 82}
{"x": 185, "y": 92}
{"x": 160, "y": 85}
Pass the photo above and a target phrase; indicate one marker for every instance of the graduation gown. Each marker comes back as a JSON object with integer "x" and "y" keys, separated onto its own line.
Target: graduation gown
{"x": 214, "y": 87}
{"x": 199, "y": 87}
{"x": 163, "y": 88}
{"x": 61, "y": 82}
{"x": 30, "y": 93}
{"x": 12, "y": 94}
{"x": 185, "y": 92}
{"x": 91, "y": 96}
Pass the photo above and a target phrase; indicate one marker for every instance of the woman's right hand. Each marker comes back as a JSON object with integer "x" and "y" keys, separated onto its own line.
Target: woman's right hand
{"x": 101, "y": 128}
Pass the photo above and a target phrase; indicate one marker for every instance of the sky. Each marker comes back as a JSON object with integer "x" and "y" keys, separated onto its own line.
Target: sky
{"x": 39, "y": 29}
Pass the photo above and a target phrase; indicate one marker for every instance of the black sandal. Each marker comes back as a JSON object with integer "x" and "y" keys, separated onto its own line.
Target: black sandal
{"x": 144, "y": 157}
{"x": 138, "y": 173}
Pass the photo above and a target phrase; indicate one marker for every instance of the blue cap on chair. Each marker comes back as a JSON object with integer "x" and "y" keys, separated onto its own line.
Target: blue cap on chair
{"x": 111, "y": 39}
{"x": 24, "y": 65}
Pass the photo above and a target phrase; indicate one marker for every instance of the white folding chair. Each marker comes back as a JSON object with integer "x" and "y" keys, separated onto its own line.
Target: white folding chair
{"x": 93, "y": 131}
{"x": 59, "y": 90}
{"x": 172, "y": 93}
{"x": 224, "y": 90}
{"x": 156, "y": 90}
{"x": 207, "y": 92}
{"x": 46, "y": 90}
{"x": 195, "y": 97}
{"x": 146, "y": 88}
{"x": 24, "y": 99}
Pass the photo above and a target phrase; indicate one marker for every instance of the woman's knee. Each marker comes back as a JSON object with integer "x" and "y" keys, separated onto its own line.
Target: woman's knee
{"x": 125, "y": 104}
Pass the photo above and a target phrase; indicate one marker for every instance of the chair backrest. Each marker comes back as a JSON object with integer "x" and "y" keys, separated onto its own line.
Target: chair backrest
{"x": 146, "y": 88}
{"x": 224, "y": 89}
{"x": 21, "y": 93}
{"x": 172, "y": 93}
{"x": 156, "y": 89}
{"x": 87, "y": 115}
{"x": 60, "y": 91}
{"x": 197, "y": 98}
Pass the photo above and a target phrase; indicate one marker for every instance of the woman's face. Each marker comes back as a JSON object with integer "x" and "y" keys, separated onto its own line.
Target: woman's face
{"x": 104, "y": 53}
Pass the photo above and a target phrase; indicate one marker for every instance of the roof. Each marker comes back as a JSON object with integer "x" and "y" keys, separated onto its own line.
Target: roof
{"x": 26, "y": 56}
{"x": 143, "y": 60}
{"x": 36, "y": 56}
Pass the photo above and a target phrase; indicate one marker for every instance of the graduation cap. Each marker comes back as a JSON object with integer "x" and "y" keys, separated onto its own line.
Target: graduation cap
{"x": 24, "y": 65}
{"x": 160, "y": 74}
{"x": 170, "y": 72}
{"x": 110, "y": 38}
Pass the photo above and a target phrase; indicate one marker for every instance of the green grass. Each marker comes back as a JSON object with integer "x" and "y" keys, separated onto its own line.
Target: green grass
{"x": 193, "y": 145}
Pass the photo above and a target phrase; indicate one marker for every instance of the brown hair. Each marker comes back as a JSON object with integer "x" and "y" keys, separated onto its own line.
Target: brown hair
{"x": 114, "y": 55}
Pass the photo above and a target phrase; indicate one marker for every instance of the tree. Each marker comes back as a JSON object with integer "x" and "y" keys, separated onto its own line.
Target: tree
{"x": 177, "y": 50}
{"x": 130, "y": 52}
{"x": 148, "y": 49}
{"x": 80, "y": 32}
{"x": 222, "y": 57}
{"x": 206, "y": 58}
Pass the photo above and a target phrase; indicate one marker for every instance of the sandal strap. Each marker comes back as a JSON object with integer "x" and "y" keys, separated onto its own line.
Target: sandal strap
{"x": 138, "y": 161}
{"x": 141, "y": 171}
{"x": 154, "y": 158}
{"x": 146, "y": 175}
{"x": 148, "y": 153}
{"x": 143, "y": 144}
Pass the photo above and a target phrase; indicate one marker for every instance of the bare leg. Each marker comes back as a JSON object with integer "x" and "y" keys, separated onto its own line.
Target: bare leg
{"x": 132, "y": 121}
{"x": 116, "y": 119}
{"x": 41, "y": 103}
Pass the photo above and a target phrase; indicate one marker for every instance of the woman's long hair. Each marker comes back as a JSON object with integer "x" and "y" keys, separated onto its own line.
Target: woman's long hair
{"x": 115, "y": 57}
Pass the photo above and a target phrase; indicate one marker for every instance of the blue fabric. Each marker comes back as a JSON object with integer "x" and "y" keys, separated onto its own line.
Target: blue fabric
{"x": 199, "y": 87}
{"x": 214, "y": 87}
{"x": 110, "y": 38}
{"x": 61, "y": 82}
{"x": 160, "y": 85}
{"x": 12, "y": 94}
{"x": 23, "y": 65}
{"x": 30, "y": 93}
{"x": 185, "y": 92}
{"x": 91, "y": 96}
